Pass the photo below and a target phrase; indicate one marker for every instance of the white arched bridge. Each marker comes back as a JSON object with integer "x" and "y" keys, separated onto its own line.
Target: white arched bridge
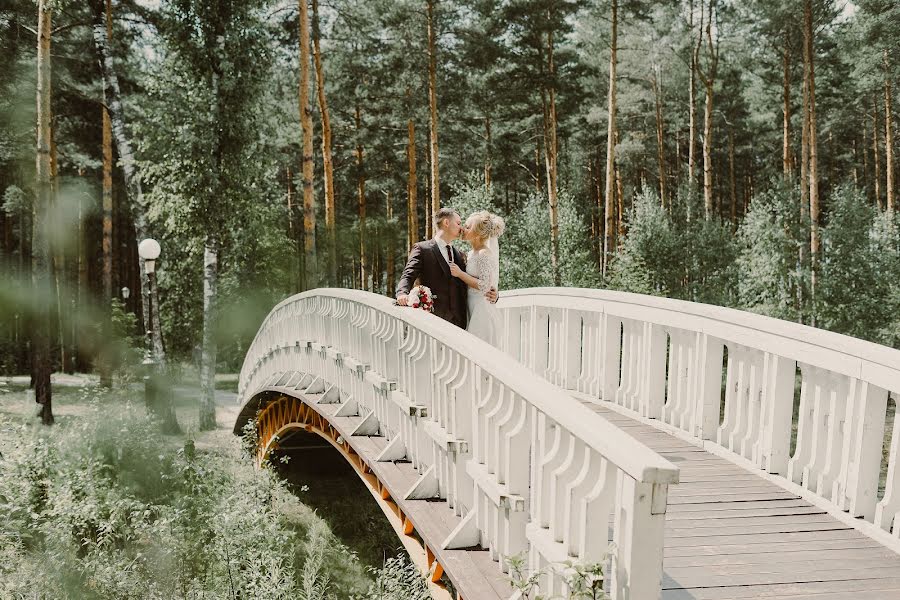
{"x": 692, "y": 451}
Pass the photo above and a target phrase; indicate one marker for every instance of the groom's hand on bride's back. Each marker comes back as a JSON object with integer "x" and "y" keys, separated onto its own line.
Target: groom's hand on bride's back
{"x": 492, "y": 295}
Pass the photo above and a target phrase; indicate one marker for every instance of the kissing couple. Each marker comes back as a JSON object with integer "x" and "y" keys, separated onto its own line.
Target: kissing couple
{"x": 465, "y": 286}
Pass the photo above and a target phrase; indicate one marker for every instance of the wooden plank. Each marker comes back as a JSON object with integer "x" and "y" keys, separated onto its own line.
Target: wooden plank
{"x": 739, "y": 523}
{"x": 710, "y": 578}
{"x": 785, "y": 556}
{"x": 747, "y": 496}
{"x": 889, "y": 588}
{"x": 820, "y": 545}
{"x": 748, "y": 504}
{"x": 764, "y": 538}
{"x": 675, "y": 517}
{"x": 737, "y": 532}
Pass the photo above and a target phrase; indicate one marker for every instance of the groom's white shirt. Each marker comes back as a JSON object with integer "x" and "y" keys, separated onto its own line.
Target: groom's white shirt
{"x": 442, "y": 245}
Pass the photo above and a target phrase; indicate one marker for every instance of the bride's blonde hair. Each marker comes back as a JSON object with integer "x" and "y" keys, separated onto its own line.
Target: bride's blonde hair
{"x": 486, "y": 225}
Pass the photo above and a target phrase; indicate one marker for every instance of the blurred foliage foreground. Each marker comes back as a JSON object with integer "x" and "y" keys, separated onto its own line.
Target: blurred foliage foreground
{"x": 104, "y": 506}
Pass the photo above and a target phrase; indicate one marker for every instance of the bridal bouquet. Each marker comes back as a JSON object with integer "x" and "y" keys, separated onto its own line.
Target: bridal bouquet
{"x": 421, "y": 297}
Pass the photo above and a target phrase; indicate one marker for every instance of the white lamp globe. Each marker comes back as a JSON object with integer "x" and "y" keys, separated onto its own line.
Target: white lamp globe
{"x": 149, "y": 249}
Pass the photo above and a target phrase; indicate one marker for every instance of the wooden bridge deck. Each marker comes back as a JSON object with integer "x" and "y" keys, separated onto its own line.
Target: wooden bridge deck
{"x": 731, "y": 534}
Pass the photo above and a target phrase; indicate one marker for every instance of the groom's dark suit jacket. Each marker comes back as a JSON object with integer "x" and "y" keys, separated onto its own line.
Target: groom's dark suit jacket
{"x": 427, "y": 265}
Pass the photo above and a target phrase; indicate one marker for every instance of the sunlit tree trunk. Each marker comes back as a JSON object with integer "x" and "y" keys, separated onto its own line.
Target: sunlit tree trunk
{"x": 40, "y": 236}
{"x": 709, "y": 80}
{"x": 327, "y": 162}
{"x": 361, "y": 202}
{"x": 433, "y": 110}
{"x": 487, "y": 152}
{"x": 660, "y": 137}
{"x": 609, "y": 241}
{"x": 813, "y": 154}
{"x": 692, "y": 95}
{"x": 550, "y": 143}
{"x": 888, "y": 137}
{"x": 412, "y": 205}
{"x": 787, "y": 167}
{"x": 391, "y": 243}
{"x": 865, "y": 151}
{"x": 878, "y": 199}
{"x": 731, "y": 180}
{"x": 309, "y": 206}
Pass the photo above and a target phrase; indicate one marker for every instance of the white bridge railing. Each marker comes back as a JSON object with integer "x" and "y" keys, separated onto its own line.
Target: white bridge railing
{"x": 527, "y": 468}
{"x": 729, "y": 378}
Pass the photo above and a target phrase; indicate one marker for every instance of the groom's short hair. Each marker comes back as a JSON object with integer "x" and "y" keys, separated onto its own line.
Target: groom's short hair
{"x": 443, "y": 213}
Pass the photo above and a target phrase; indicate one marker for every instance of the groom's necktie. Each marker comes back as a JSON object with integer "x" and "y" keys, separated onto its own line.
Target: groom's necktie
{"x": 449, "y": 254}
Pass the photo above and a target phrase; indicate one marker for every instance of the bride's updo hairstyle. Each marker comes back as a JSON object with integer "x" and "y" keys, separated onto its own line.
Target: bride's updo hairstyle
{"x": 486, "y": 225}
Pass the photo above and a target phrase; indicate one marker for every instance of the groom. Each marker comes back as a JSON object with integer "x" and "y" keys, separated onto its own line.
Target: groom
{"x": 429, "y": 262}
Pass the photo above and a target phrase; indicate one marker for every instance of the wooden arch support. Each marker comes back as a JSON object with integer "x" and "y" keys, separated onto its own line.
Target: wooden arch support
{"x": 287, "y": 413}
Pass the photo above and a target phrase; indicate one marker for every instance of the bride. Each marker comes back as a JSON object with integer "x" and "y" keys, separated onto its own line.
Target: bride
{"x": 482, "y": 273}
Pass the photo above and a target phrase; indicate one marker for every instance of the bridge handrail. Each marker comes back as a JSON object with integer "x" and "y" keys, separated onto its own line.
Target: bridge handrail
{"x": 583, "y": 474}
{"x": 630, "y": 455}
{"x": 663, "y": 359}
{"x": 879, "y": 363}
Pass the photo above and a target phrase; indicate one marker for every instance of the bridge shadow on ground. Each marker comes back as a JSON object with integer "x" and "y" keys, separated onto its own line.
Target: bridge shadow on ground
{"x": 323, "y": 480}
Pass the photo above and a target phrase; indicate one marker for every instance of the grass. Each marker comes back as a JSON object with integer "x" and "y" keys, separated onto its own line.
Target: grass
{"x": 321, "y": 479}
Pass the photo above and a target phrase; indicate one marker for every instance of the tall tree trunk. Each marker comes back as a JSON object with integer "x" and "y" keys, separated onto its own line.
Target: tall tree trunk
{"x": 731, "y": 180}
{"x": 104, "y": 362}
{"x": 620, "y": 208}
{"x": 878, "y": 199}
{"x": 865, "y": 152}
{"x": 804, "y": 186}
{"x": 41, "y": 253}
{"x": 126, "y": 158}
{"x": 361, "y": 202}
{"x": 487, "y": 153}
{"x": 660, "y": 137}
{"x": 888, "y": 137}
{"x": 58, "y": 252}
{"x": 692, "y": 95}
{"x": 309, "y": 201}
{"x": 609, "y": 241}
{"x": 412, "y": 204}
{"x": 550, "y": 143}
{"x": 327, "y": 162}
{"x": 813, "y": 155}
{"x": 391, "y": 241}
{"x": 709, "y": 80}
{"x": 787, "y": 167}
{"x": 208, "y": 352}
{"x": 432, "y": 107}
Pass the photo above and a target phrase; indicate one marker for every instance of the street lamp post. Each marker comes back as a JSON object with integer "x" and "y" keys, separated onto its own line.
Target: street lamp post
{"x": 149, "y": 251}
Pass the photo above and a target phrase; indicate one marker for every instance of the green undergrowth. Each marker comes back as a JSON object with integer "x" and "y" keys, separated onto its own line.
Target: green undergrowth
{"x": 103, "y": 506}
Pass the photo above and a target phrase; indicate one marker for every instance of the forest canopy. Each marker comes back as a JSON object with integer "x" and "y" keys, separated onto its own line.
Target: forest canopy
{"x": 740, "y": 153}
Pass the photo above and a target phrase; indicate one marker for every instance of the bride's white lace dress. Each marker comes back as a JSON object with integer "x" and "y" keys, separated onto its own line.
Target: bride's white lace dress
{"x": 484, "y": 318}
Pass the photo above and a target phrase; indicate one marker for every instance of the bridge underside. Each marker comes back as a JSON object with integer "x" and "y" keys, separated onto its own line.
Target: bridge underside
{"x": 731, "y": 534}
{"x": 420, "y": 524}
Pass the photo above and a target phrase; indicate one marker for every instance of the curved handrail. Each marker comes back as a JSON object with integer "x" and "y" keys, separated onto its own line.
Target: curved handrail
{"x": 583, "y": 471}
{"x": 663, "y": 359}
{"x": 767, "y": 332}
